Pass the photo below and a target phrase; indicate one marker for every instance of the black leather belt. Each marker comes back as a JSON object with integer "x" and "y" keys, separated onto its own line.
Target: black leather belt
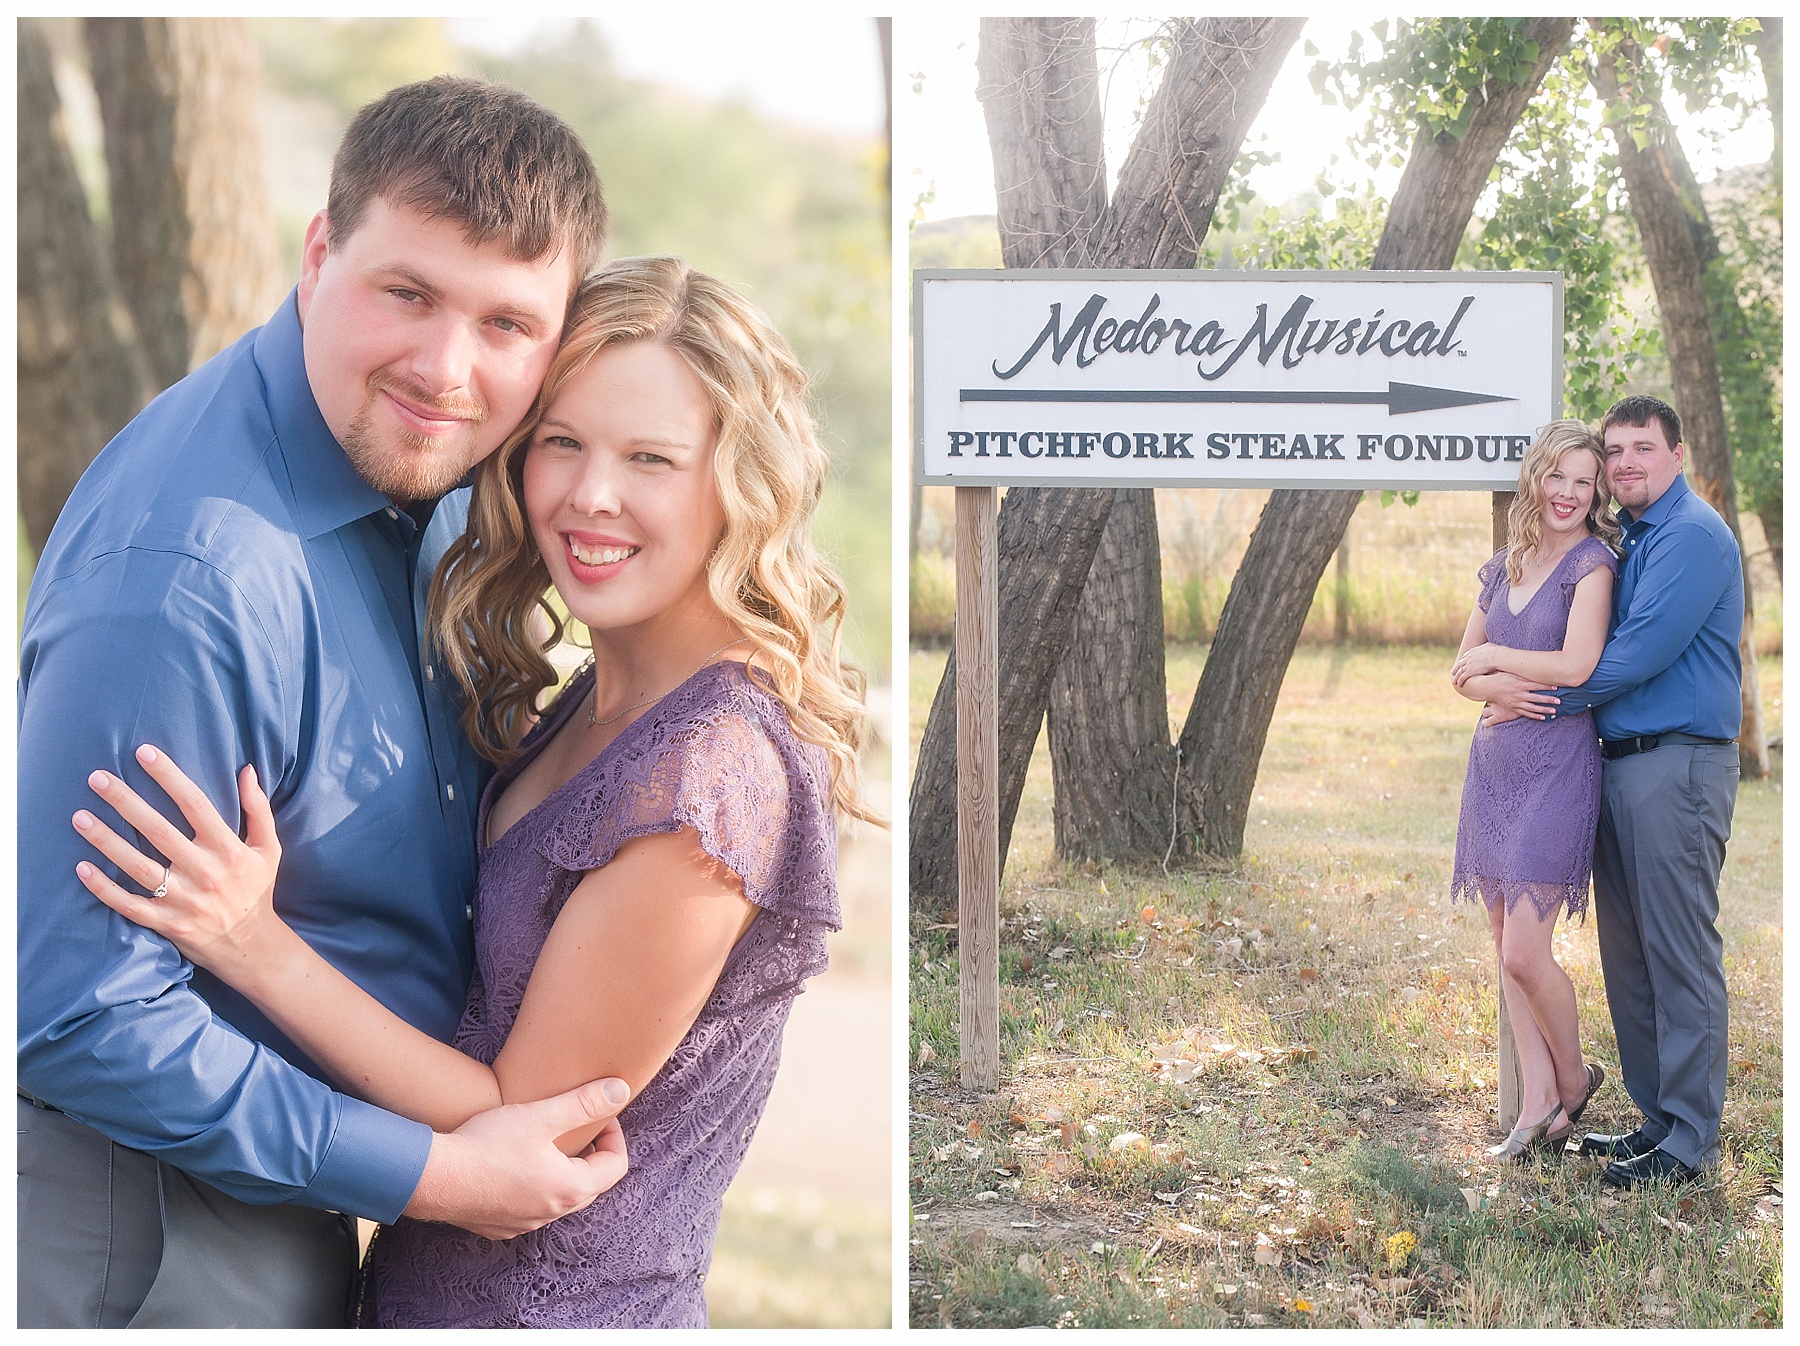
{"x": 1612, "y": 749}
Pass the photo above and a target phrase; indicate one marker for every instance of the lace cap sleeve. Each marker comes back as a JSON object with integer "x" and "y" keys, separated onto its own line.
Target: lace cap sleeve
{"x": 1491, "y": 575}
{"x": 1589, "y": 555}
{"x": 719, "y": 756}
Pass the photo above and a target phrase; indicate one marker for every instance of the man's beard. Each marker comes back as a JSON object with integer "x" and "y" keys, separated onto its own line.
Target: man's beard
{"x": 405, "y": 466}
{"x": 1633, "y": 495}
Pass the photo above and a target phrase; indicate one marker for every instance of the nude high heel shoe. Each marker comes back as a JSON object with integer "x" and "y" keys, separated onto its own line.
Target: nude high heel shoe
{"x": 1525, "y": 1138}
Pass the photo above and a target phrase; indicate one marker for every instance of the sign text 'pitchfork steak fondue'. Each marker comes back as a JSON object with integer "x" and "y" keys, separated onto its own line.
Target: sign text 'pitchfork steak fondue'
{"x": 1398, "y": 380}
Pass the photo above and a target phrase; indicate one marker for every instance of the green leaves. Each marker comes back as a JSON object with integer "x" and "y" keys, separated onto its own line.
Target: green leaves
{"x": 1431, "y": 78}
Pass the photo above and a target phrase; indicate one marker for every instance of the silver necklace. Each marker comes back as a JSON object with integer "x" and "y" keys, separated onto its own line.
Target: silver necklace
{"x": 594, "y": 699}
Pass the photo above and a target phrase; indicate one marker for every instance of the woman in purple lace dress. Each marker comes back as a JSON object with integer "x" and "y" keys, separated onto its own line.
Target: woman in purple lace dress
{"x": 1531, "y": 799}
{"x": 658, "y": 850}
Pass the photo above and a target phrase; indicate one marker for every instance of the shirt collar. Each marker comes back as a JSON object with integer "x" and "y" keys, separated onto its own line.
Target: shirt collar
{"x": 1664, "y": 505}
{"x": 328, "y": 493}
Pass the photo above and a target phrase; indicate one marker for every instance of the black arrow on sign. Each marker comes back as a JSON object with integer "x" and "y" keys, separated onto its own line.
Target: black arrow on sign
{"x": 1400, "y": 398}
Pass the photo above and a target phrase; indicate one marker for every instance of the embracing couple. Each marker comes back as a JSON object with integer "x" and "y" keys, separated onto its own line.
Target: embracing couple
{"x": 1605, "y": 647}
{"x": 460, "y": 931}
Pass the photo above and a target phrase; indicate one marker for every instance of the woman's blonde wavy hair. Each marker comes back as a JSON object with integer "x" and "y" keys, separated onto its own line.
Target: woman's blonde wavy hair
{"x": 1524, "y": 518}
{"x": 766, "y": 576}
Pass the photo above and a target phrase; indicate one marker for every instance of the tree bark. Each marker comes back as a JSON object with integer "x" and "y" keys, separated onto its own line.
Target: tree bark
{"x": 1045, "y": 535}
{"x": 1228, "y": 721}
{"x": 80, "y": 375}
{"x": 1679, "y": 245}
{"x": 1218, "y": 77}
{"x": 1038, "y": 81}
{"x": 1112, "y": 761}
{"x": 193, "y": 233}
{"x": 1110, "y": 753}
{"x": 1039, "y": 85}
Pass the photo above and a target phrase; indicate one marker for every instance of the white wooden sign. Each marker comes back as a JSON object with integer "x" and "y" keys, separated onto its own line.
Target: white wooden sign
{"x": 1424, "y": 380}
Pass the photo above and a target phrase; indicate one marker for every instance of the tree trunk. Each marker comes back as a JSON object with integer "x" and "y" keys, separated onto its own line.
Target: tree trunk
{"x": 1047, "y": 540}
{"x": 1228, "y": 721}
{"x": 1770, "y": 514}
{"x": 1113, "y": 763}
{"x": 1679, "y": 245}
{"x": 1218, "y": 77}
{"x": 193, "y": 234}
{"x": 1109, "y": 714}
{"x": 1039, "y": 86}
{"x": 1039, "y": 89}
{"x": 80, "y": 375}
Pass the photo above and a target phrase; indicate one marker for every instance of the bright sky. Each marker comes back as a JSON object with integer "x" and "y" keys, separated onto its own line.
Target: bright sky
{"x": 941, "y": 138}
{"x": 817, "y": 69}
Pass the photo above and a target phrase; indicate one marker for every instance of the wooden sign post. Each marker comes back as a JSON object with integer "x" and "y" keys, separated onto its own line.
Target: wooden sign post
{"x": 1137, "y": 379}
{"x": 978, "y": 786}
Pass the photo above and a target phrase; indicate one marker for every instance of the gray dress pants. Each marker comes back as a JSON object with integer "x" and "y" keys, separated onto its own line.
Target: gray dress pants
{"x": 1665, "y": 816}
{"x": 112, "y": 1237}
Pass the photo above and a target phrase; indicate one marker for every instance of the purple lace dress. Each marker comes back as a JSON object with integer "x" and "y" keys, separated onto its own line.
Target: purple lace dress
{"x": 717, "y": 755}
{"x": 1531, "y": 799}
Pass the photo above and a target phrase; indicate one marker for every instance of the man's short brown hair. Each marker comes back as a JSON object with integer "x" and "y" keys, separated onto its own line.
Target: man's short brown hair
{"x": 484, "y": 155}
{"x": 1640, "y": 410}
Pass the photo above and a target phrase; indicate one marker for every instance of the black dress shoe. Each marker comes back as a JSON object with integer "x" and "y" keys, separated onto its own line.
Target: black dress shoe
{"x": 1656, "y": 1166}
{"x": 1596, "y": 1144}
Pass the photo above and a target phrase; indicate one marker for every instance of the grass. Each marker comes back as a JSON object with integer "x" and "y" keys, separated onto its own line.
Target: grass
{"x": 1259, "y": 1094}
{"x": 1411, "y": 575}
{"x": 798, "y": 1259}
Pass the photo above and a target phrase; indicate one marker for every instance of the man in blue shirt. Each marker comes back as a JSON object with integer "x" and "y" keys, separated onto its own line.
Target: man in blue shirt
{"x": 1667, "y": 705}
{"x": 240, "y": 577}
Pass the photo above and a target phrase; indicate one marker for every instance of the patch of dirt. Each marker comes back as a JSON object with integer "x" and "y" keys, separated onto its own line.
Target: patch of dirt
{"x": 1009, "y": 1222}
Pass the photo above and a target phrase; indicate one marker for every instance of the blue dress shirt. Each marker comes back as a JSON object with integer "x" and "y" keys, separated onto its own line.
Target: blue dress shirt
{"x": 1671, "y": 659}
{"x": 223, "y": 584}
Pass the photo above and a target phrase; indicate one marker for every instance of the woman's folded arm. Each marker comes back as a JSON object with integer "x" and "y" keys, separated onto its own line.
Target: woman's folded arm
{"x": 626, "y": 969}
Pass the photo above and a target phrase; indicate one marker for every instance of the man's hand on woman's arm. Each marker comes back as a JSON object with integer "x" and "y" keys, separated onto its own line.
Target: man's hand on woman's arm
{"x": 1505, "y": 696}
{"x": 1509, "y": 697}
{"x": 502, "y": 1174}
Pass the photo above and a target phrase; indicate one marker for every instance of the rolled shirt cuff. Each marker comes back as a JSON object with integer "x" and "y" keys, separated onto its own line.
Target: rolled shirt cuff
{"x": 373, "y": 1165}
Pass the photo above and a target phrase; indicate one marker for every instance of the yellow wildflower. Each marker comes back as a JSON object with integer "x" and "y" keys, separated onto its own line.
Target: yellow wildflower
{"x": 1400, "y": 1247}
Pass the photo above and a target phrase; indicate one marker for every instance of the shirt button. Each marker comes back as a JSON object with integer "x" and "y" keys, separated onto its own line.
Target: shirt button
{"x": 469, "y": 910}
{"x": 430, "y": 673}
{"x": 450, "y": 790}
{"x": 392, "y": 513}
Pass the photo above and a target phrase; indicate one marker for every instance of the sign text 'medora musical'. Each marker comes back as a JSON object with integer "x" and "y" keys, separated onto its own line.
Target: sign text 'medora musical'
{"x": 1295, "y": 336}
